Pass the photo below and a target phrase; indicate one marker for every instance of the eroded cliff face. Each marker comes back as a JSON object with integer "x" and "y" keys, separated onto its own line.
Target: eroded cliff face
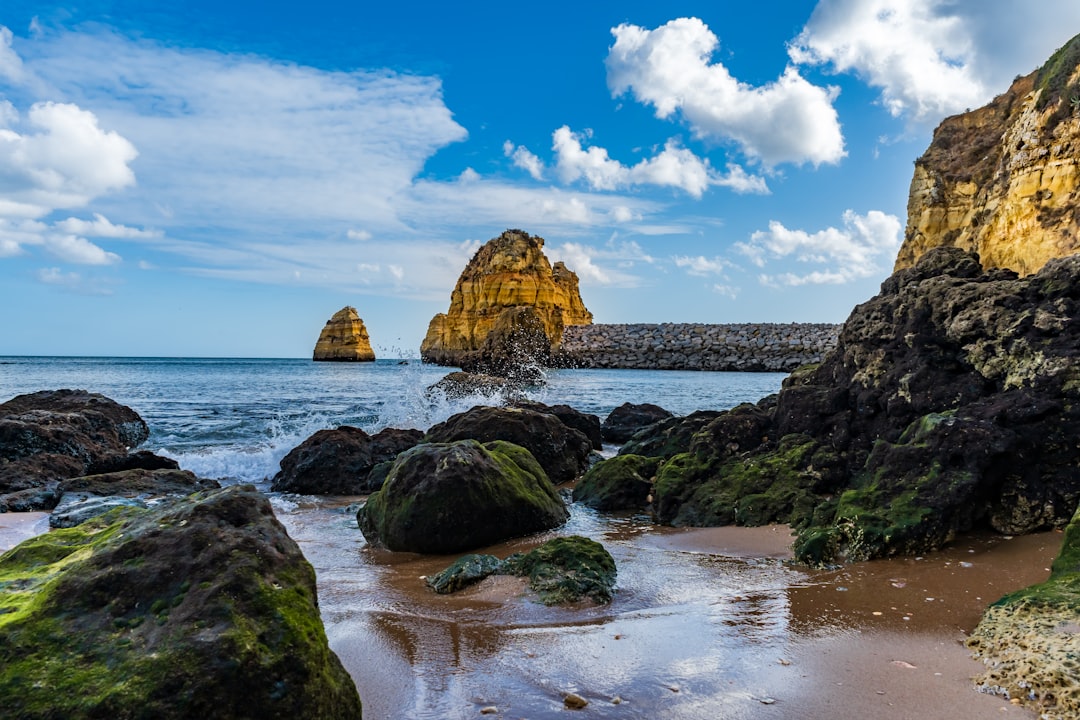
{"x": 1003, "y": 180}
{"x": 508, "y": 271}
{"x": 344, "y": 338}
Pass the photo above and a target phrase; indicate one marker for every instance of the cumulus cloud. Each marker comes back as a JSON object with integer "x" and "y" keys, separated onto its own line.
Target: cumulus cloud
{"x": 920, "y": 54}
{"x": 100, "y": 226}
{"x": 66, "y": 161}
{"x": 849, "y": 253}
{"x": 525, "y": 160}
{"x": 604, "y": 265}
{"x": 674, "y": 166}
{"x": 701, "y": 265}
{"x": 786, "y": 121}
{"x": 78, "y": 250}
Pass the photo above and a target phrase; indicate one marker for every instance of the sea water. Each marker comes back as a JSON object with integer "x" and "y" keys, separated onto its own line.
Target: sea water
{"x": 234, "y": 419}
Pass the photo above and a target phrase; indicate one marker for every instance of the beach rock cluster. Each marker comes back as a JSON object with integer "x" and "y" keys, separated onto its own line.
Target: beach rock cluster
{"x": 342, "y": 461}
{"x": 1004, "y": 180}
{"x": 344, "y": 339}
{"x": 202, "y": 607}
{"x": 948, "y": 405}
{"x": 695, "y": 346}
{"x": 509, "y": 271}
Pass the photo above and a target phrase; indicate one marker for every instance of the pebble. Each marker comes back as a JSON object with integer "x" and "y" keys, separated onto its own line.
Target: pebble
{"x": 573, "y": 701}
{"x": 489, "y": 710}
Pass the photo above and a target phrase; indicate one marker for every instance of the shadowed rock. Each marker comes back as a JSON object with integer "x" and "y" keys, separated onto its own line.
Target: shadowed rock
{"x": 627, "y": 419}
{"x": 340, "y": 461}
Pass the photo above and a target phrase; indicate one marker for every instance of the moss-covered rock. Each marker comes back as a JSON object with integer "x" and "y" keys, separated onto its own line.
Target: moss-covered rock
{"x": 466, "y": 570}
{"x": 453, "y": 497}
{"x": 201, "y": 607}
{"x": 566, "y": 569}
{"x": 623, "y": 482}
{"x": 668, "y": 437}
{"x": 1030, "y": 639}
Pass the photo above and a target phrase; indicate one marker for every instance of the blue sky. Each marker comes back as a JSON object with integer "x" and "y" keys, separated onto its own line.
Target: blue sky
{"x": 217, "y": 179}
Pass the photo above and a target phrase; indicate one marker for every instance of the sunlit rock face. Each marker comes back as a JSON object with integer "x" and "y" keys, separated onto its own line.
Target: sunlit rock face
{"x": 344, "y": 338}
{"x": 1003, "y": 180}
{"x": 508, "y": 271}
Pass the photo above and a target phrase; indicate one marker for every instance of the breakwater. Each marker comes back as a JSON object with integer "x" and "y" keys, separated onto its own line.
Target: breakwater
{"x": 699, "y": 346}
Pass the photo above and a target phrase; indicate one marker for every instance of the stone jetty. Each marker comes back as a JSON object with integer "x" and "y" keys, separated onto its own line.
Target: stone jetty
{"x": 697, "y": 346}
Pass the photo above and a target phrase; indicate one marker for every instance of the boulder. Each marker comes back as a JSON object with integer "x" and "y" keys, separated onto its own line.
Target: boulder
{"x": 949, "y": 404}
{"x": 516, "y": 348}
{"x": 585, "y": 422}
{"x": 627, "y": 419}
{"x": 344, "y": 339}
{"x": 201, "y": 607}
{"x": 56, "y": 434}
{"x": 623, "y": 482}
{"x": 566, "y": 569}
{"x": 451, "y": 497}
{"x": 1004, "y": 180}
{"x": 460, "y": 384}
{"x": 509, "y": 271}
{"x": 669, "y": 436}
{"x": 562, "y": 451}
{"x": 340, "y": 461}
{"x": 85, "y": 497}
{"x": 465, "y": 571}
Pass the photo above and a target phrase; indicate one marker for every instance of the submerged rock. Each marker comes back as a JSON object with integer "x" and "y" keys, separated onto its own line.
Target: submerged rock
{"x": 450, "y": 497}
{"x": 627, "y": 419}
{"x": 566, "y": 569}
{"x": 341, "y": 461}
{"x": 562, "y": 451}
{"x": 466, "y": 570}
{"x": 1029, "y": 640}
{"x": 202, "y": 607}
{"x": 344, "y": 339}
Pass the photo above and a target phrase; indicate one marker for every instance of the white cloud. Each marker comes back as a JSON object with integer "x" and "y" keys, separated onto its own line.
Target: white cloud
{"x": 595, "y": 265}
{"x": 623, "y": 214}
{"x": 66, "y": 163}
{"x": 81, "y": 251}
{"x": 789, "y": 120}
{"x": 919, "y": 53}
{"x": 701, "y": 265}
{"x": 73, "y": 282}
{"x": 361, "y": 235}
{"x": 524, "y": 159}
{"x": 100, "y": 226}
{"x": 397, "y": 271}
{"x": 674, "y": 166}
{"x": 850, "y": 253}
{"x": 727, "y": 291}
{"x": 10, "y": 63}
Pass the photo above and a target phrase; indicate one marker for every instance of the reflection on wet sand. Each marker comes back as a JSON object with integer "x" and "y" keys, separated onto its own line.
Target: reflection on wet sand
{"x": 699, "y": 628}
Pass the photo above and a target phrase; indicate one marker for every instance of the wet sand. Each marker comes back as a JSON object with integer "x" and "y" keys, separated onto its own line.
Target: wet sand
{"x": 18, "y": 526}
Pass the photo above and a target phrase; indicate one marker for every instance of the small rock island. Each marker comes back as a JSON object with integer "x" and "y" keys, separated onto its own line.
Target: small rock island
{"x": 344, "y": 339}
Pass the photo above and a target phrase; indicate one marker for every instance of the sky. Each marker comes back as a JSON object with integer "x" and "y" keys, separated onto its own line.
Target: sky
{"x": 216, "y": 179}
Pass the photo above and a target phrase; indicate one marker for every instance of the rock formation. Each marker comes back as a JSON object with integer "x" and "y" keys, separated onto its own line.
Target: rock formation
{"x": 344, "y": 338}
{"x": 341, "y": 461}
{"x": 200, "y": 607}
{"x": 1004, "y": 180}
{"x": 950, "y": 404}
{"x": 508, "y": 271}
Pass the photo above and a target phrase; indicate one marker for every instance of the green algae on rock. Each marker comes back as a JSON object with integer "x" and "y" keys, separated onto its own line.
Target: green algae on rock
{"x": 1029, "y": 640}
{"x": 623, "y": 482}
{"x": 450, "y": 497}
{"x": 200, "y": 607}
{"x": 566, "y": 569}
{"x": 466, "y": 570}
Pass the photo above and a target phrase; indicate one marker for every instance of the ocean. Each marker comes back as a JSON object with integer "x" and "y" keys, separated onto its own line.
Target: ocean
{"x": 234, "y": 419}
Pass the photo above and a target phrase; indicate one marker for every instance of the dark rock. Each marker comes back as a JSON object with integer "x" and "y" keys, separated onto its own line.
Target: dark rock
{"x": 452, "y": 497}
{"x": 566, "y": 569}
{"x": 457, "y": 385}
{"x": 628, "y": 418}
{"x": 623, "y": 482}
{"x": 85, "y": 497}
{"x": 948, "y": 405}
{"x": 141, "y": 460}
{"x": 201, "y": 607}
{"x": 668, "y": 437}
{"x": 51, "y": 435}
{"x": 517, "y": 348}
{"x": 466, "y": 570}
{"x": 585, "y": 422}
{"x": 562, "y": 451}
{"x": 339, "y": 462}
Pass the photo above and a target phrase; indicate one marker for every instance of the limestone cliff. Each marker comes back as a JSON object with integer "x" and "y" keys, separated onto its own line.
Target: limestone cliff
{"x": 508, "y": 271}
{"x": 1003, "y": 180}
{"x": 344, "y": 338}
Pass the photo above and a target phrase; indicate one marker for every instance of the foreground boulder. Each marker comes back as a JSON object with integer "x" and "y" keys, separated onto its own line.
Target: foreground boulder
{"x": 452, "y": 497}
{"x": 1028, "y": 639}
{"x": 199, "y": 608}
{"x": 562, "y": 570}
{"x": 627, "y": 419}
{"x": 562, "y": 451}
{"x": 340, "y": 461}
{"x": 51, "y": 435}
{"x": 948, "y": 405}
{"x": 85, "y": 497}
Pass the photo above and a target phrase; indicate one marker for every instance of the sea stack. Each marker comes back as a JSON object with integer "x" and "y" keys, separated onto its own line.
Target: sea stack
{"x": 1003, "y": 180}
{"x": 344, "y": 339}
{"x": 509, "y": 271}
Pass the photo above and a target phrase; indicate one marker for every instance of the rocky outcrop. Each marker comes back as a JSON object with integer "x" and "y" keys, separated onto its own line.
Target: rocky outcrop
{"x": 344, "y": 338}
{"x": 561, "y": 450}
{"x": 623, "y": 482}
{"x": 202, "y": 607}
{"x": 629, "y": 418}
{"x": 1004, "y": 180}
{"x": 507, "y": 272}
{"x": 1029, "y": 642}
{"x": 82, "y": 498}
{"x": 450, "y": 497}
{"x": 340, "y": 461}
{"x": 53, "y": 435}
{"x": 948, "y": 405}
